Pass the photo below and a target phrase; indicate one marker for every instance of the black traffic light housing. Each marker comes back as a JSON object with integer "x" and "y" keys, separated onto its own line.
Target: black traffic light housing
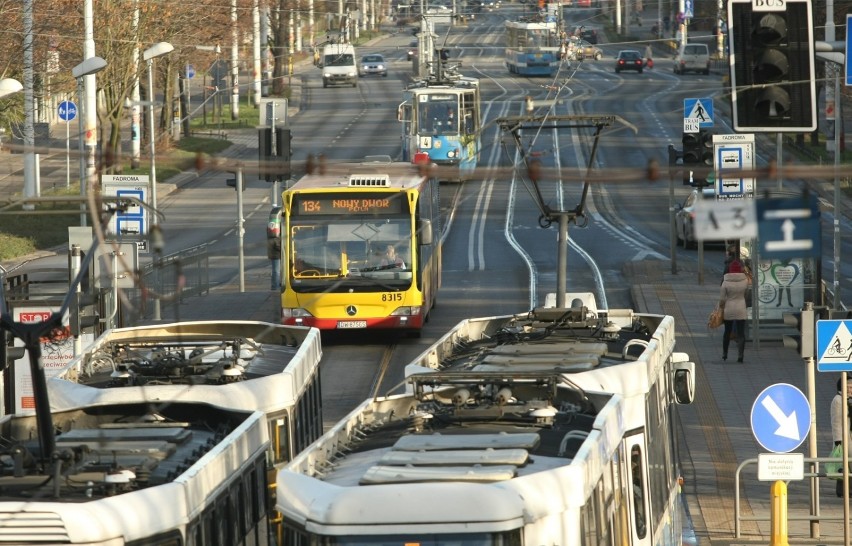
{"x": 8, "y": 352}
{"x": 773, "y": 86}
{"x": 697, "y": 157}
{"x": 283, "y": 152}
{"x": 805, "y": 322}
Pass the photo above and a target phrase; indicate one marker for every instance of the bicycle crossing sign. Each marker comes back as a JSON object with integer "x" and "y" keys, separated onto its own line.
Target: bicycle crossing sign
{"x": 834, "y": 345}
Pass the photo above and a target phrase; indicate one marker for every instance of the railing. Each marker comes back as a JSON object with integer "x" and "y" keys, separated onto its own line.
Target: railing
{"x": 174, "y": 278}
{"x": 792, "y": 514}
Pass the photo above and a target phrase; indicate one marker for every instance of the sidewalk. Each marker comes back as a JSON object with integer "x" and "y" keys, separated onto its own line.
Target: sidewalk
{"x": 717, "y": 426}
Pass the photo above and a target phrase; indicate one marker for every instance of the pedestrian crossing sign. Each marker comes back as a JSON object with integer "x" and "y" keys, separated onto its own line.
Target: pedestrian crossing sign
{"x": 834, "y": 345}
{"x": 699, "y": 109}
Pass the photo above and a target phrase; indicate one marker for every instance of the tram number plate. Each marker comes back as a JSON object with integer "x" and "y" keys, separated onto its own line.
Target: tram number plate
{"x": 352, "y": 324}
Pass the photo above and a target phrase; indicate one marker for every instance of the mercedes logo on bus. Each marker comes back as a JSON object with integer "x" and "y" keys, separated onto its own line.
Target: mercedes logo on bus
{"x": 351, "y": 310}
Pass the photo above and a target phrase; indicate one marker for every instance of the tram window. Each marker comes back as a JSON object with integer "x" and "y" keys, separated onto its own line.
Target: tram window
{"x": 639, "y": 493}
{"x": 281, "y": 435}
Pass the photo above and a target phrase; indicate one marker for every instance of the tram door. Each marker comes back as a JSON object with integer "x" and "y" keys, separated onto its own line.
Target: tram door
{"x": 638, "y": 493}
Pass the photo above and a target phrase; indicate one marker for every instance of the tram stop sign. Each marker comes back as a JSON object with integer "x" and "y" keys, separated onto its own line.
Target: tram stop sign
{"x": 780, "y": 418}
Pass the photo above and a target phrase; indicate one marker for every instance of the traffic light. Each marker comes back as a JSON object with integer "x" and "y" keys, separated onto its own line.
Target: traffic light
{"x": 773, "y": 87}
{"x": 84, "y": 314}
{"x": 697, "y": 157}
{"x": 8, "y": 352}
{"x": 264, "y": 148}
{"x": 804, "y": 322}
{"x": 283, "y": 153}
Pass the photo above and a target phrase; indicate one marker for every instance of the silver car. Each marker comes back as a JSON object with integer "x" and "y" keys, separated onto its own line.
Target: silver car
{"x": 373, "y": 65}
{"x": 685, "y": 216}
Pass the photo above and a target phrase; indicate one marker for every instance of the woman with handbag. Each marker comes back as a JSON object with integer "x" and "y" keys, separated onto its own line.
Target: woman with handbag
{"x": 732, "y": 302}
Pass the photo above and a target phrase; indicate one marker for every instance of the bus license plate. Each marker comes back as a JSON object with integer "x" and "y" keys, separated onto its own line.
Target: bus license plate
{"x": 352, "y": 324}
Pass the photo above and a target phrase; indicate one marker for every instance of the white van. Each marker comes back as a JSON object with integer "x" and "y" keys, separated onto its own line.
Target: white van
{"x": 338, "y": 65}
{"x": 693, "y": 57}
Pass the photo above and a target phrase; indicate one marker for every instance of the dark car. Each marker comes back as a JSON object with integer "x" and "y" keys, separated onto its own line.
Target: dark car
{"x": 590, "y": 35}
{"x": 629, "y": 59}
{"x": 412, "y": 49}
{"x": 685, "y": 216}
{"x": 373, "y": 64}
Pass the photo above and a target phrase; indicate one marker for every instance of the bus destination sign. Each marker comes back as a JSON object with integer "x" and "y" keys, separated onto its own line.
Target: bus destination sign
{"x": 324, "y": 204}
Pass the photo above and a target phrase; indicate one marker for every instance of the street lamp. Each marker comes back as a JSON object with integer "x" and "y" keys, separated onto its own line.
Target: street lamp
{"x": 157, "y": 50}
{"x": 9, "y": 86}
{"x": 90, "y": 66}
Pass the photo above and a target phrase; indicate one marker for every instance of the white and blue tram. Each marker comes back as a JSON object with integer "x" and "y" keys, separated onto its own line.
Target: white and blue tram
{"x": 441, "y": 119}
{"x": 555, "y": 426}
{"x": 238, "y": 366}
{"x": 532, "y": 47}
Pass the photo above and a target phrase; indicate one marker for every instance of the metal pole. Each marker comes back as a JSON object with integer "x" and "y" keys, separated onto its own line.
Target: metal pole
{"x": 844, "y": 416}
{"x": 68, "y": 153}
{"x": 837, "y": 153}
{"x": 779, "y": 157}
{"x": 241, "y": 230}
{"x": 75, "y": 270}
{"x": 562, "y": 266}
{"x": 672, "y": 227}
{"x": 81, "y": 113}
{"x": 153, "y": 183}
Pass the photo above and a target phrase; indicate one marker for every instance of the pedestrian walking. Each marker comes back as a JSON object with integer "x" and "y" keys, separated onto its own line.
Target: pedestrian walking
{"x": 732, "y": 301}
{"x": 837, "y": 424}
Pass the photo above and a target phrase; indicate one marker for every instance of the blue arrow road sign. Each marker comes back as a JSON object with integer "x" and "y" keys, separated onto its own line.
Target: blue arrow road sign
{"x": 67, "y": 110}
{"x": 780, "y": 418}
{"x": 788, "y": 228}
{"x": 834, "y": 345}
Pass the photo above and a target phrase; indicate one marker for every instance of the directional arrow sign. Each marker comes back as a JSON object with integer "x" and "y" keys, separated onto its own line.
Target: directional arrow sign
{"x": 780, "y": 418}
{"x": 788, "y": 228}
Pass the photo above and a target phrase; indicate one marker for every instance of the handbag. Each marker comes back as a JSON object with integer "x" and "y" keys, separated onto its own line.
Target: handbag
{"x": 835, "y": 467}
{"x": 715, "y": 319}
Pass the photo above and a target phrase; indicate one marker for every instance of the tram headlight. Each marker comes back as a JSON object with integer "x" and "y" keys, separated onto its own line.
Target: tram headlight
{"x": 454, "y": 153}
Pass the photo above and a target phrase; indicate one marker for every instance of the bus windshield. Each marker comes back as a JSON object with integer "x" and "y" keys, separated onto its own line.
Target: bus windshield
{"x": 350, "y": 254}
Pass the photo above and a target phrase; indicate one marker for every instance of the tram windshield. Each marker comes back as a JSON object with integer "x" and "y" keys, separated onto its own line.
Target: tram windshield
{"x": 438, "y": 114}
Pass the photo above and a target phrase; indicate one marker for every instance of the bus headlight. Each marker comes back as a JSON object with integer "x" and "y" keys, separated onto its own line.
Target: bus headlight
{"x": 452, "y": 154}
{"x": 408, "y": 311}
{"x": 294, "y": 312}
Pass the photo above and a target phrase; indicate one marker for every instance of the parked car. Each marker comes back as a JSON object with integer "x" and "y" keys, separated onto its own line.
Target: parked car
{"x": 629, "y": 59}
{"x": 412, "y": 49}
{"x": 581, "y": 49}
{"x": 685, "y": 216}
{"x": 373, "y": 65}
{"x": 693, "y": 58}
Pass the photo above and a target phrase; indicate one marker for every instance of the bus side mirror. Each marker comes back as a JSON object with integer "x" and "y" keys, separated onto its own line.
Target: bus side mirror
{"x": 424, "y": 232}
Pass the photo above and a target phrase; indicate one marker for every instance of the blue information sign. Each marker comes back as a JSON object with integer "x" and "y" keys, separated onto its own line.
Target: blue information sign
{"x": 67, "y": 110}
{"x": 846, "y": 56}
{"x": 788, "y": 228}
{"x": 780, "y": 418}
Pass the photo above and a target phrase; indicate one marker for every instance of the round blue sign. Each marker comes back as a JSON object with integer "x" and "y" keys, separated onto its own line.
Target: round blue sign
{"x": 190, "y": 71}
{"x": 780, "y": 418}
{"x": 67, "y": 110}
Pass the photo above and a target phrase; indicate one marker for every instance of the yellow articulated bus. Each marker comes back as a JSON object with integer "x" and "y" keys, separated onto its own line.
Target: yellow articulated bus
{"x": 361, "y": 247}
